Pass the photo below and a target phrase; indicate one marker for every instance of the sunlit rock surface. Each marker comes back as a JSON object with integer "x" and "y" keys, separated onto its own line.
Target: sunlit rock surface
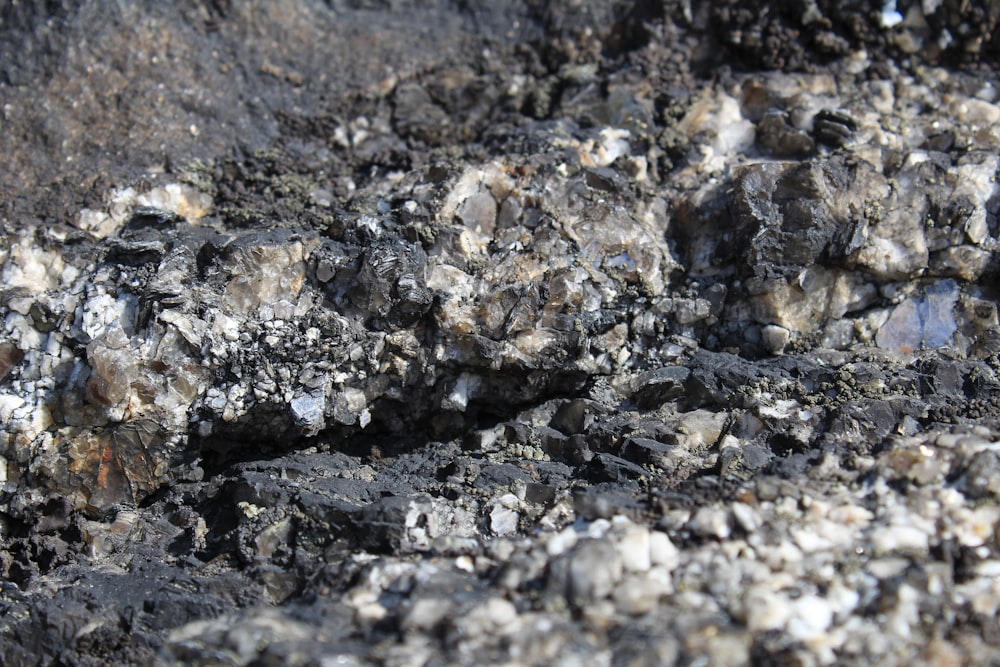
{"x": 632, "y": 337}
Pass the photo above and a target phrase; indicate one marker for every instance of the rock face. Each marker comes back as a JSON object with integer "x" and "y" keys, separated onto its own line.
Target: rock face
{"x": 543, "y": 333}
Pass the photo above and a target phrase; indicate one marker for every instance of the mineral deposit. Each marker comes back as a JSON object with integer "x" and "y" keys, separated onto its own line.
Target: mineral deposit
{"x": 571, "y": 333}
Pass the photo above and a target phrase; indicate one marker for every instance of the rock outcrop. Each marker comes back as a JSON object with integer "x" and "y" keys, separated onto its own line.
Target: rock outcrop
{"x": 600, "y": 333}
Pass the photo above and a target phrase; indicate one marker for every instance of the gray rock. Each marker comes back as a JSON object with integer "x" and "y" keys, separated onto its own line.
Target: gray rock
{"x": 588, "y": 333}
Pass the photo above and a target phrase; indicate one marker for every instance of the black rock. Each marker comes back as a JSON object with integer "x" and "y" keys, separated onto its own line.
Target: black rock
{"x": 658, "y": 386}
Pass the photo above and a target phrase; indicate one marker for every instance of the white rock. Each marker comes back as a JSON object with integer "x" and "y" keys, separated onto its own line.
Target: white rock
{"x": 503, "y": 521}
{"x": 906, "y": 613}
{"x": 899, "y": 538}
{"x": 765, "y": 610}
{"x": 8, "y": 404}
{"x": 810, "y": 617}
{"x": 32, "y": 268}
{"x": 719, "y": 117}
{"x": 711, "y": 522}
{"x": 988, "y": 568}
{"x": 634, "y": 548}
{"x": 427, "y": 612}
{"x": 613, "y": 144}
{"x": 662, "y": 551}
{"x": 889, "y": 17}
{"x": 974, "y": 528}
{"x": 637, "y": 595}
{"x": 982, "y": 593}
{"x": 746, "y": 517}
{"x": 595, "y": 568}
{"x": 458, "y": 398}
{"x": 851, "y": 515}
{"x": 561, "y": 542}
{"x": 843, "y": 600}
{"x": 499, "y": 612}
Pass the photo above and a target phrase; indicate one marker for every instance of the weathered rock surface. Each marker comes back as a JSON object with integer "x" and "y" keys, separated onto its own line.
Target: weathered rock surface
{"x": 543, "y": 333}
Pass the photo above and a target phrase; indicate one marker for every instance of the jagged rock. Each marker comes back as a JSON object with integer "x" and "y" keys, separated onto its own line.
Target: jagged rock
{"x": 587, "y": 334}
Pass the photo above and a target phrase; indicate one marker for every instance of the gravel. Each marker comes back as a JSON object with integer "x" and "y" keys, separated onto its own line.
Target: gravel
{"x": 596, "y": 333}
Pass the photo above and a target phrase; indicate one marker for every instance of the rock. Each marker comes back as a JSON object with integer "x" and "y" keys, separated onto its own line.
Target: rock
{"x": 594, "y": 570}
{"x": 661, "y": 385}
{"x": 779, "y": 138}
{"x": 503, "y": 521}
{"x": 709, "y": 522}
{"x": 636, "y": 597}
{"x": 775, "y": 338}
{"x": 834, "y": 128}
{"x": 924, "y": 322}
{"x": 980, "y": 480}
{"x": 576, "y": 333}
{"x": 634, "y": 548}
{"x": 646, "y": 450}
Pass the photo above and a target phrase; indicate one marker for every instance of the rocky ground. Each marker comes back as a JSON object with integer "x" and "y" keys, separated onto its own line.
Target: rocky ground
{"x": 520, "y": 333}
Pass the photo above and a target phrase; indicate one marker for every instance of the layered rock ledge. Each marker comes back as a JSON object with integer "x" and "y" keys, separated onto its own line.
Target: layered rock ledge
{"x": 573, "y": 333}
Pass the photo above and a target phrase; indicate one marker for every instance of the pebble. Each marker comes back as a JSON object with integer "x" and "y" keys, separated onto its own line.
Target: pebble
{"x": 662, "y": 551}
{"x": 503, "y": 521}
{"x": 595, "y": 568}
{"x": 634, "y": 548}
{"x": 810, "y": 616}
{"x": 711, "y": 522}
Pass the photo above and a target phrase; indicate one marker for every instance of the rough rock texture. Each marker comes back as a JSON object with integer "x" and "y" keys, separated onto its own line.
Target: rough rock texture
{"x": 577, "y": 333}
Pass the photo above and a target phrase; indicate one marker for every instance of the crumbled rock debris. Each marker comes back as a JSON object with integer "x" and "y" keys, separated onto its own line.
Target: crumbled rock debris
{"x": 540, "y": 333}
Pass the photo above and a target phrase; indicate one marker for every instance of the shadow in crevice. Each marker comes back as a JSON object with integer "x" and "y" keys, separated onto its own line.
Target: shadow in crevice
{"x": 397, "y": 426}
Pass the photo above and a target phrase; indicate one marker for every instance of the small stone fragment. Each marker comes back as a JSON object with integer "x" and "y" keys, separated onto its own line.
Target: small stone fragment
{"x": 923, "y": 322}
{"x": 775, "y": 338}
